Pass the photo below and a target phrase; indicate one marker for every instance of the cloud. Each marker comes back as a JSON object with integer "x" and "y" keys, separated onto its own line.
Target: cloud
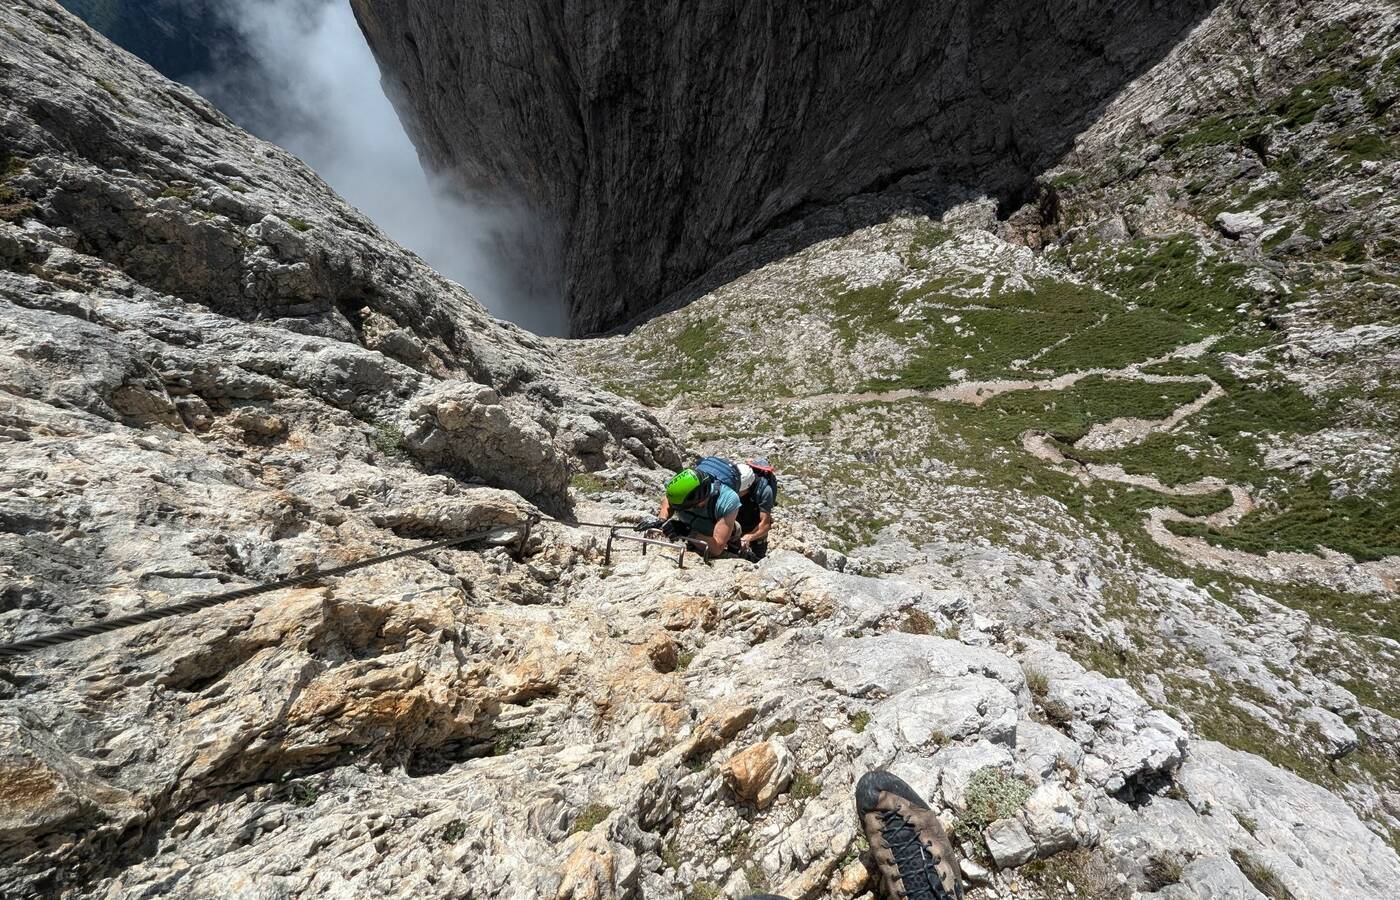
{"x": 309, "y": 83}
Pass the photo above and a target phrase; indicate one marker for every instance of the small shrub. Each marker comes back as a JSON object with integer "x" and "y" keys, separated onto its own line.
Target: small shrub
{"x": 300, "y": 793}
{"x": 387, "y": 439}
{"x": 916, "y": 621}
{"x": 991, "y": 795}
{"x": 299, "y": 224}
{"x": 508, "y": 740}
{"x": 590, "y": 817}
{"x": 859, "y": 721}
{"x": 684, "y": 659}
{"x": 454, "y": 831}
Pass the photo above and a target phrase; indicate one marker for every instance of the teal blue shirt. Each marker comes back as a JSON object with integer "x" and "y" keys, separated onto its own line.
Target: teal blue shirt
{"x": 703, "y": 518}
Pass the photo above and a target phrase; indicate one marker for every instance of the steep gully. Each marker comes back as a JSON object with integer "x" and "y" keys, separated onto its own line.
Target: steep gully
{"x": 640, "y": 184}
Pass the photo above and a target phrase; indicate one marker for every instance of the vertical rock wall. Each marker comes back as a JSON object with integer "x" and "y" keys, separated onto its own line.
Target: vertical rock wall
{"x": 655, "y": 140}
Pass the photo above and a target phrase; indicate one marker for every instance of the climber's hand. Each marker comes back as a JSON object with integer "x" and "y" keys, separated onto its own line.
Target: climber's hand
{"x": 650, "y": 524}
{"x": 673, "y": 528}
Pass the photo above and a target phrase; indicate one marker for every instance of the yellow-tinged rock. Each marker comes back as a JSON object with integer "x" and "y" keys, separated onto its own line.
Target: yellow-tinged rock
{"x": 596, "y": 868}
{"x": 759, "y": 773}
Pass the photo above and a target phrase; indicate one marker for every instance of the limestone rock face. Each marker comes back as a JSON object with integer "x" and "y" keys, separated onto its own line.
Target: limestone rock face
{"x": 230, "y": 280}
{"x": 657, "y": 140}
{"x": 197, "y": 396}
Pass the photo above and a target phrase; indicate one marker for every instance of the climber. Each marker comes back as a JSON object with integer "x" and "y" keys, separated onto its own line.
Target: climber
{"x": 758, "y": 491}
{"x": 911, "y": 852}
{"x": 701, "y": 501}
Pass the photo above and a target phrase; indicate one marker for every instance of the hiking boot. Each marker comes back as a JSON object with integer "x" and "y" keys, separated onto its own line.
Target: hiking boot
{"x": 911, "y": 850}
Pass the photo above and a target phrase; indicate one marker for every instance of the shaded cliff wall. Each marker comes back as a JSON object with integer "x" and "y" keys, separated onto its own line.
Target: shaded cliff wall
{"x": 658, "y": 138}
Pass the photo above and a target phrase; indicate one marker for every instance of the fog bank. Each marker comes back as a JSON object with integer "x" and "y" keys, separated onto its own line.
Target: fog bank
{"x": 310, "y": 84}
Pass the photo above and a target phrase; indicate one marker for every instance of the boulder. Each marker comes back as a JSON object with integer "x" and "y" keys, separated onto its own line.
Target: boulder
{"x": 757, "y": 774}
{"x": 1009, "y": 843}
{"x": 1238, "y": 225}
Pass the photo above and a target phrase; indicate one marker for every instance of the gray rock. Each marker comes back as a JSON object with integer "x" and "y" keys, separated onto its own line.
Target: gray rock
{"x": 1009, "y": 843}
{"x": 1338, "y": 737}
{"x": 1237, "y": 225}
{"x": 1049, "y": 816}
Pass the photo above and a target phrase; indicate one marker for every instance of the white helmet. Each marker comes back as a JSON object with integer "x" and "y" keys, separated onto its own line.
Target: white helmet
{"x": 745, "y": 477}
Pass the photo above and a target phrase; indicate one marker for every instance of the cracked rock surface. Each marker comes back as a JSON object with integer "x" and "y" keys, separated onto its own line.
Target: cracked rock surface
{"x": 215, "y": 374}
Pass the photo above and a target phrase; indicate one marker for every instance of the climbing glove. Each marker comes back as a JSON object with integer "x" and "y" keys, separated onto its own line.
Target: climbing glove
{"x": 650, "y": 524}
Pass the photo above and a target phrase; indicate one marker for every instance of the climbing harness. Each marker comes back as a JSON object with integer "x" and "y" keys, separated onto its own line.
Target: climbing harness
{"x": 68, "y": 635}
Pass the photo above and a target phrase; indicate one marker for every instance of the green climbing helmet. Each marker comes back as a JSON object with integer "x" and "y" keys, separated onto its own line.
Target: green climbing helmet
{"x": 681, "y": 488}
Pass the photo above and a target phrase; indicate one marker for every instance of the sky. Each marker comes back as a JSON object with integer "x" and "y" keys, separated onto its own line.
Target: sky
{"x": 312, "y": 86}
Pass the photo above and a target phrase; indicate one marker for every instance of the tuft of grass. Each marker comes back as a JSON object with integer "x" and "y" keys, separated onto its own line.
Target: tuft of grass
{"x": 454, "y": 831}
{"x": 14, "y": 207}
{"x": 299, "y": 224}
{"x": 804, "y": 786}
{"x": 1087, "y": 872}
{"x": 756, "y": 877}
{"x": 1038, "y": 683}
{"x": 178, "y": 191}
{"x": 111, "y": 88}
{"x": 591, "y": 815}
{"x": 1162, "y": 869}
{"x": 684, "y": 659}
{"x": 1261, "y": 875}
{"x": 670, "y": 855}
{"x": 588, "y": 483}
{"x": 703, "y": 890}
{"x": 859, "y": 721}
{"x": 786, "y": 728}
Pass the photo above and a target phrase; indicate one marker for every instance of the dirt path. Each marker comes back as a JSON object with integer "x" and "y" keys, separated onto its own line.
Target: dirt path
{"x": 1329, "y": 568}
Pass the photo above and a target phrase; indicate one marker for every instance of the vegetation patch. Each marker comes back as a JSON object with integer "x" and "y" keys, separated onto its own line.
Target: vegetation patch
{"x": 387, "y": 439}
{"x": 804, "y": 786}
{"x": 1162, "y": 870}
{"x": 991, "y": 795}
{"x": 1261, "y": 875}
{"x": 1308, "y": 517}
{"x": 591, "y": 815}
{"x": 589, "y": 483}
{"x": 508, "y": 740}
